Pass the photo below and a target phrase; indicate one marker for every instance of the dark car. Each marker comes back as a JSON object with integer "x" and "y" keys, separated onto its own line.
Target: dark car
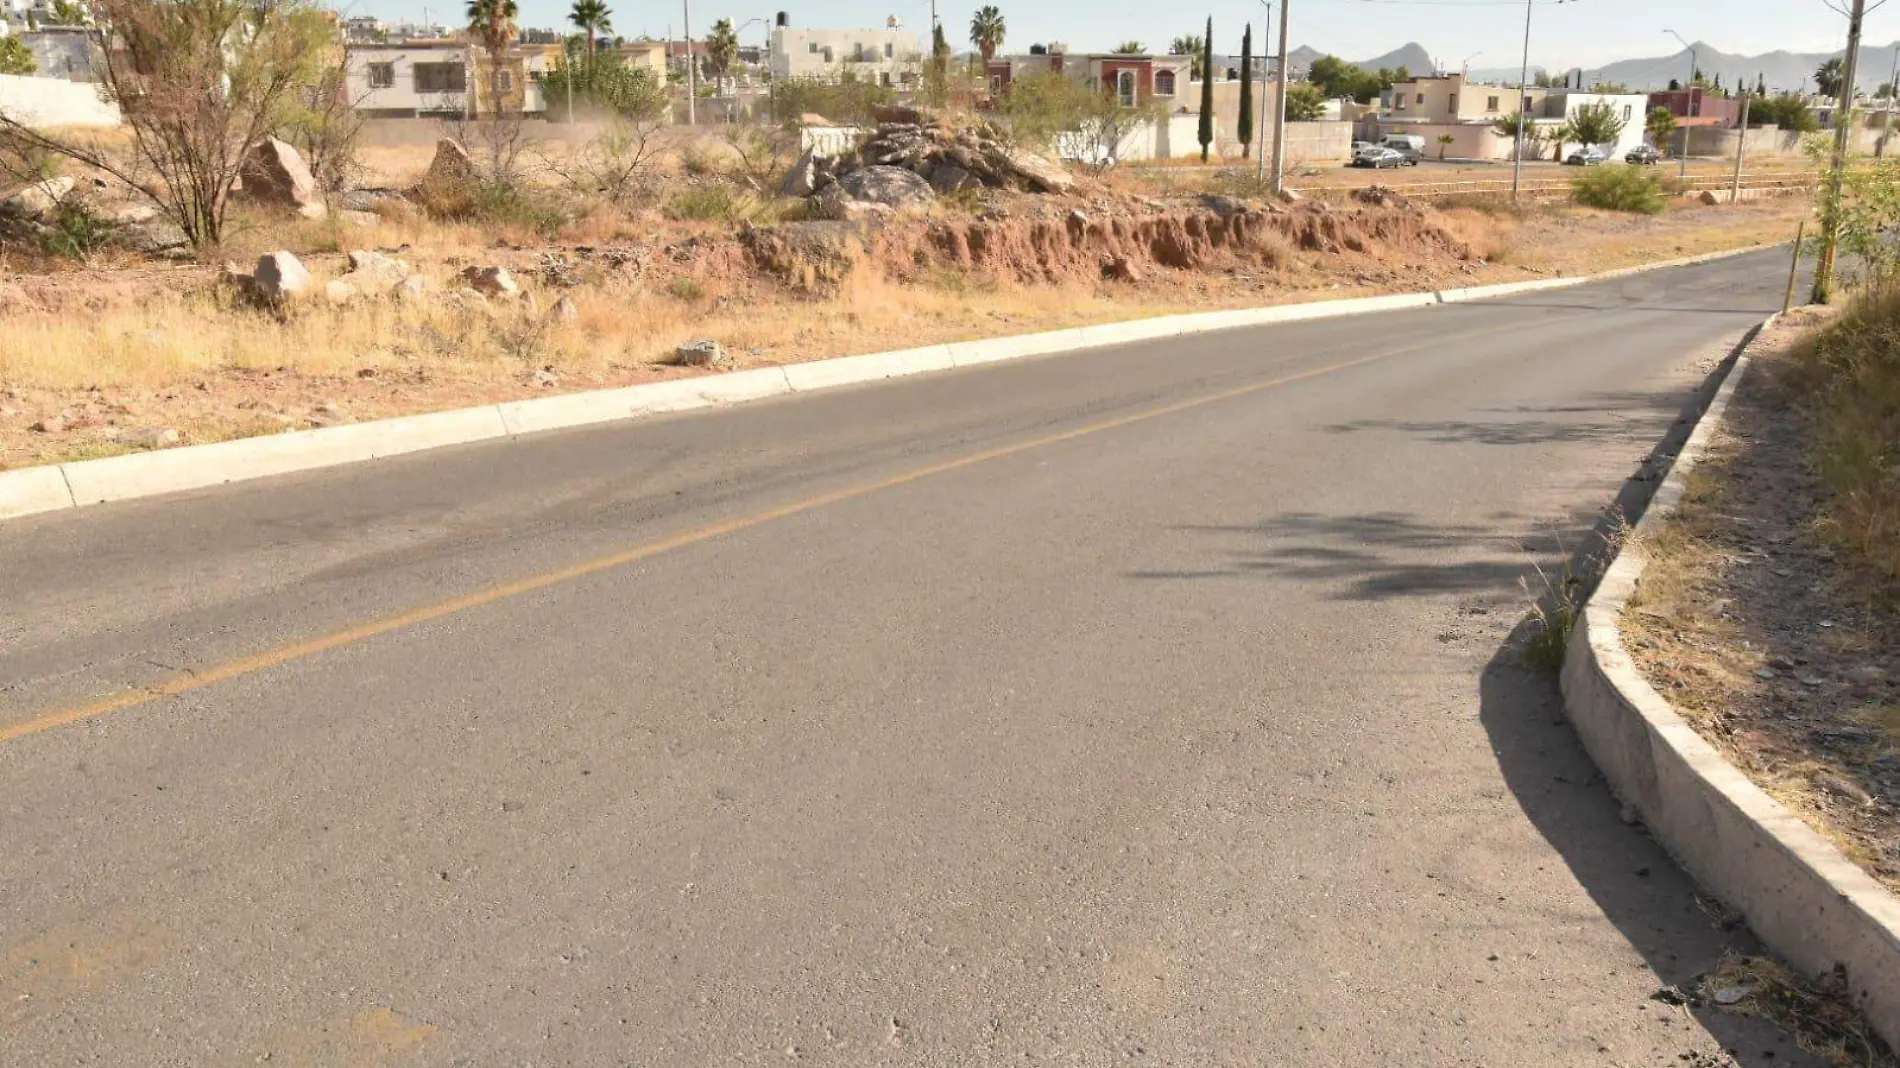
{"x": 1643, "y": 155}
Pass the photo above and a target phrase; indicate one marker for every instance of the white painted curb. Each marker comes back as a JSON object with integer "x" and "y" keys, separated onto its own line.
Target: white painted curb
{"x": 31, "y": 490}
{"x": 1805, "y": 899}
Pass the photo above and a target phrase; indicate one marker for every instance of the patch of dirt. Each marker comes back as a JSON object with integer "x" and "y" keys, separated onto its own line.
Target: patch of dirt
{"x": 1764, "y": 641}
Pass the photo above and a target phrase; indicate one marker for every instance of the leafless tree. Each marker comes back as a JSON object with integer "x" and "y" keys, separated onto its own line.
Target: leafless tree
{"x": 617, "y": 165}
{"x": 197, "y": 83}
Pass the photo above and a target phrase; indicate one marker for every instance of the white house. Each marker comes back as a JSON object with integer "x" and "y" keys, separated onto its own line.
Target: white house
{"x": 1632, "y": 108}
{"x": 890, "y": 56}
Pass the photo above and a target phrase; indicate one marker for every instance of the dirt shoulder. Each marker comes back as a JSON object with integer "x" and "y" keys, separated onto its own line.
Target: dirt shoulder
{"x": 1763, "y": 637}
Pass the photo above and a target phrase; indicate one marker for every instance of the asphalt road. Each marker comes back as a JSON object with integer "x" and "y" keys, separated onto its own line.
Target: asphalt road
{"x": 1151, "y": 705}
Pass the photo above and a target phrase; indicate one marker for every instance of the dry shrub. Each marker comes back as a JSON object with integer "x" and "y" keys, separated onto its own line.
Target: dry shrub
{"x": 1489, "y": 235}
{"x": 1849, "y": 375}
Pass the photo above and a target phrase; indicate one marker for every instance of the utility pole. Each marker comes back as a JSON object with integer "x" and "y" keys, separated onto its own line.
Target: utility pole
{"x": 692, "y": 68}
{"x": 1843, "y": 129}
{"x": 1688, "y": 100}
{"x": 1266, "y": 27}
{"x": 1279, "y": 104}
{"x": 1523, "y": 94}
{"x": 1741, "y": 147}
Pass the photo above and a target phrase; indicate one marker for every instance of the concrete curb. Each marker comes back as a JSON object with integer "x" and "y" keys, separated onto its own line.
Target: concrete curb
{"x": 1805, "y": 899}
{"x": 31, "y": 490}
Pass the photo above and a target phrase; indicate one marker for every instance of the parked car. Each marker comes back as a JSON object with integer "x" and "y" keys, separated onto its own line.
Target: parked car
{"x": 1586, "y": 157}
{"x": 1378, "y": 157}
{"x": 1643, "y": 154}
{"x": 1411, "y": 146}
{"x": 1361, "y": 146}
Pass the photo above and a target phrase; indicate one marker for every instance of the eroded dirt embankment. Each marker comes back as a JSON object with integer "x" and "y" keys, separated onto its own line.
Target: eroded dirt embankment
{"x": 1083, "y": 246}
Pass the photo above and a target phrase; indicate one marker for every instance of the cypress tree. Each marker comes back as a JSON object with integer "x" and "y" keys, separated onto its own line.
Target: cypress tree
{"x": 1207, "y": 90}
{"x": 1246, "y": 93}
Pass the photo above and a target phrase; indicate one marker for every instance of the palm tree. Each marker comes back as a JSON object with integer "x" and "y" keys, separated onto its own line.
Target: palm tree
{"x": 592, "y": 17}
{"x": 1130, "y": 48}
{"x": 492, "y": 22}
{"x": 1828, "y": 76}
{"x": 986, "y": 31}
{"x": 1189, "y": 45}
{"x": 722, "y": 46}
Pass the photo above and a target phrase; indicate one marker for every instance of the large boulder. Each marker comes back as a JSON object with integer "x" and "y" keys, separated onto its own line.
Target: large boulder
{"x": 451, "y": 164}
{"x": 1040, "y": 173}
{"x": 493, "y": 282}
{"x": 948, "y": 178}
{"x": 373, "y": 270}
{"x": 41, "y": 199}
{"x": 893, "y": 187}
{"x": 275, "y": 173}
{"x": 834, "y": 204}
{"x": 803, "y": 179}
{"x": 280, "y": 276}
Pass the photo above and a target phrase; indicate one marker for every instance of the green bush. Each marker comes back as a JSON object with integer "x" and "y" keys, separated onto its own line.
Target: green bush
{"x": 74, "y": 233}
{"x": 714, "y": 201}
{"x": 1613, "y": 188}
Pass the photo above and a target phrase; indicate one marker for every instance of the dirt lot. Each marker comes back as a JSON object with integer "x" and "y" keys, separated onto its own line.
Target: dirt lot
{"x": 124, "y": 352}
{"x": 1756, "y": 630}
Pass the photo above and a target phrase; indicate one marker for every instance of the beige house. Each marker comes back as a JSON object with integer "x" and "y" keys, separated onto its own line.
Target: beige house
{"x": 890, "y": 56}
{"x": 648, "y": 54}
{"x": 1449, "y": 98}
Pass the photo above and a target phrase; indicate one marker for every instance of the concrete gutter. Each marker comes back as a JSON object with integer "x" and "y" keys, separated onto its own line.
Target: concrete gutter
{"x": 1805, "y": 899}
{"x": 31, "y": 490}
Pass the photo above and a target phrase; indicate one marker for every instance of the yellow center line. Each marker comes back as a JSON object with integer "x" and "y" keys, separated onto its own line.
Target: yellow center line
{"x": 284, "y": 654}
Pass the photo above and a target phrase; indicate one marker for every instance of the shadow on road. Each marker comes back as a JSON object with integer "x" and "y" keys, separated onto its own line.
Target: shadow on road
{"x": 1652, "y": 903}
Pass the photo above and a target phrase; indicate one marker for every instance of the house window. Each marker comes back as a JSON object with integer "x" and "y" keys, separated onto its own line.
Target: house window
{"x": 996, "y": 85}
{"x": 440, "y": 78}
{"x": 1164, "y": 83}
{"x": 1490, "y": 103}
{"x": 382, "y": 75}
{"x": 1421, "y": 98}
{"x": 1125, "y": 87}
{"x": 505, "y": 81}
{"x": 1627, "y": 114}
{"x": 890, "y": 50}
{"x": 814, "y": 47}
{"x": 1399, "y": 104}
{"x": 1453, "y": 103}
{"x": 884, "y": 78}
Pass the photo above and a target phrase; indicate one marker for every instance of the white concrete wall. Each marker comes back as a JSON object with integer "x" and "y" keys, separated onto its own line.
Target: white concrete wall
{"x": 51, "y": 102}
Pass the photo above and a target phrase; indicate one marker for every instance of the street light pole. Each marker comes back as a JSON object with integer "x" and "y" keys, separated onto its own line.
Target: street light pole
{"x": 1688, "y": 99}
{"x": 1523, "y": 93}
{"x": 1279, "y": 105}
{"x": 1266, "y": 29}
{"x": 692, "y": 68}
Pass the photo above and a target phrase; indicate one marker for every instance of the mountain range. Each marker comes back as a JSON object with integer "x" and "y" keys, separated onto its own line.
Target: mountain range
{"x": 1781, "y": 70}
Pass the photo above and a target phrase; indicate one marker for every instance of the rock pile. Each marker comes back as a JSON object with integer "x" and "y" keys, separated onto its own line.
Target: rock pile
{"x": 911, "y": 158}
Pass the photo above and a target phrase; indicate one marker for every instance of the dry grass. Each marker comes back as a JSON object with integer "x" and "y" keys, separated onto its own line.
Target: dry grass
{"x": 1851, "y": 383}
{"x": 1762, "y": 637}
{"x": 1821, "y": 1015}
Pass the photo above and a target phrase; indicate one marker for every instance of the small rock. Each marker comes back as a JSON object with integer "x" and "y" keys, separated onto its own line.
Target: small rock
{"x": 57, "y": 424}
{"x": 1766, "y": 673}
{"x": 414, "y": 287}
{"x": 275, "y": 173}
{"x": 546, "y": 378}
{"x": 370, "y": 263}
{"x": 1628, "y": 815}
{"x": 491, "y": 282}
{"x": 1729, "y": 995}
{"x": 1813, "y": 680}
{"x": 1780, "y": 663}
{"x": 280, "y": 276}
{"x": 365, "y": 219}
{"x": 565, "y": 310}
{"x": 338, "y": 291}
{"x": 700, "y": 354}
{"x": 328, "y": 414}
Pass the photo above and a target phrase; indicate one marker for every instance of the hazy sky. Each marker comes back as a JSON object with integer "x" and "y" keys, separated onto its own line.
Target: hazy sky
{"x": 1572, "y": 33}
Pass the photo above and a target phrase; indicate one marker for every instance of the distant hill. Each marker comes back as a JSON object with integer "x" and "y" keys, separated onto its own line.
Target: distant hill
{"x": 1781, "y": 70}
{"x": 1412, "y": 57}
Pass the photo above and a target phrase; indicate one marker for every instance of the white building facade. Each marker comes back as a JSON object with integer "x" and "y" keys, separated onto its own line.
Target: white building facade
{"x": 888, "y": 56}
